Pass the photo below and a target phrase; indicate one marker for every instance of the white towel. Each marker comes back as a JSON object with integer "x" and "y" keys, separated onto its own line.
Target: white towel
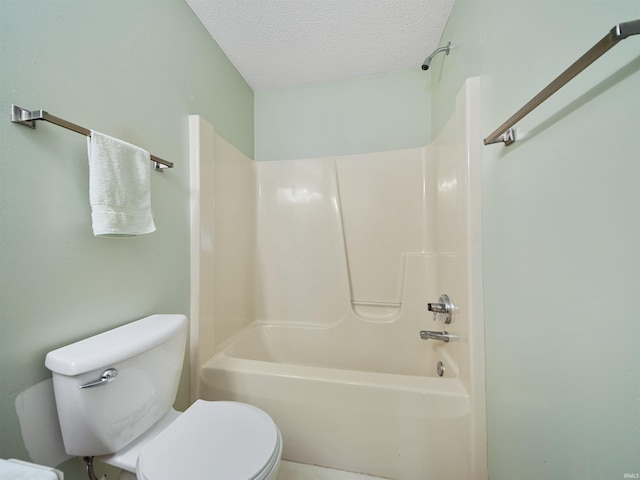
{"x": 119, "y": 187}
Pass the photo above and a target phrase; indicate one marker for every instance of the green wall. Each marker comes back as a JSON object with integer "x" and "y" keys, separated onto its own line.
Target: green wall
{"x": 368, "y": 114}
{"x": 561, "y": 235}
{"x": 134, "y": 70}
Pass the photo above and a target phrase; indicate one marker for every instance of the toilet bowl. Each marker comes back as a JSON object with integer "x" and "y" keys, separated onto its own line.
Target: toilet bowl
{"x": 210, "y": 440}
{"x": 114, "y": 393}
{"x": 214, "y": 440}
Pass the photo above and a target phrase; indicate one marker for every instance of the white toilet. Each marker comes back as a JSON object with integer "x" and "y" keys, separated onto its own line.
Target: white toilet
{"x": 114, "y": 394}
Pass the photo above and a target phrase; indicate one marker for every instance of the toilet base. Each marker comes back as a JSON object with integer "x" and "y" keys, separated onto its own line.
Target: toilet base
{"x": 127, "y": 476}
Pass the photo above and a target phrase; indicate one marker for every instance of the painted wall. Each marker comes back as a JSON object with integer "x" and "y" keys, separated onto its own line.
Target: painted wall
{"x": 367, "y": 114}
{"x": 561, "y": 234}
{"x": 134, "y": 70}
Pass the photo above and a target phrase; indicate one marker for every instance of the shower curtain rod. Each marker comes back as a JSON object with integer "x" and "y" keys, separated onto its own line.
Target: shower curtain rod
{"x": 505, "y": 133}
{"x": 28, "y": 118}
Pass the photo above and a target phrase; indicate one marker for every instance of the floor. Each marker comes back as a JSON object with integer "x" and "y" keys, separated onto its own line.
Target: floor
{"x": 299, "y": 471}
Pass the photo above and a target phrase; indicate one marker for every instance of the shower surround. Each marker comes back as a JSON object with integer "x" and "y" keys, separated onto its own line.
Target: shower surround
{"x": 310, "y": 281}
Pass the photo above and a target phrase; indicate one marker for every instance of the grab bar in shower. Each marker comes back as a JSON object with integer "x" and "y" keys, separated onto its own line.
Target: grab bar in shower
{"x": 28, "y": 118}
{"x": 505, "y": 132}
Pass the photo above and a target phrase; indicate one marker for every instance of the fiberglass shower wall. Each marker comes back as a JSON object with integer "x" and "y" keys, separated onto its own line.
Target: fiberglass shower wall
{"x": 334, "y": 234}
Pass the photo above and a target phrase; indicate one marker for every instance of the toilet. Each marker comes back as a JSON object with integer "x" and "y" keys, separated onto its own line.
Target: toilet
{"x": 114, "y": 394}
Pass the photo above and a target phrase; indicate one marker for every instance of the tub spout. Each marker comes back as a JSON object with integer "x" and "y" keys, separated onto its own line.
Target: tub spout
{"x": 442, "y": 336}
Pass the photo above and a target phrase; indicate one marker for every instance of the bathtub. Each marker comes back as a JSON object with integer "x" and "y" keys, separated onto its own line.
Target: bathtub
{"x": 343, "y": 406}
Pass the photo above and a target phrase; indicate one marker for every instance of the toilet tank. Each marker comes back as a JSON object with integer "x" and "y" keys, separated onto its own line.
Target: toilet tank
{"x": 147, "y": 356}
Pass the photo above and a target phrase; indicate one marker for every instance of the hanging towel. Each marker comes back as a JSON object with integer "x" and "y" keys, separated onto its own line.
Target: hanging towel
{"x": 119, "y": 187}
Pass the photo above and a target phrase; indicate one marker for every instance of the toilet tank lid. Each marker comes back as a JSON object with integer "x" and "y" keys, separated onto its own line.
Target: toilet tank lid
{"x": 115, "y": 345}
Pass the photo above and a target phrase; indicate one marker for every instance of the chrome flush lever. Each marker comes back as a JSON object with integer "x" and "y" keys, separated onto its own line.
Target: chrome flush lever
{"x": 445, "y": 306}
{"x": 107, "y": 376}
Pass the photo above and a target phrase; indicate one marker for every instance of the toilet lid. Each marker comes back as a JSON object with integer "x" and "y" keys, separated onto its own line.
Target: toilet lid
{"x": 212, "y": 441}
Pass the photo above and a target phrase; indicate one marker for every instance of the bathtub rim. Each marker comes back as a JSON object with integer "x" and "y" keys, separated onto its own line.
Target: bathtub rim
{"x": 440, "y": 351}
{"x": 222, "y": 360}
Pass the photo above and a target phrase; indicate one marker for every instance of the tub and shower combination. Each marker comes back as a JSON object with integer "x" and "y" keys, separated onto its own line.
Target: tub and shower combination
{"x": 315, "y": 316}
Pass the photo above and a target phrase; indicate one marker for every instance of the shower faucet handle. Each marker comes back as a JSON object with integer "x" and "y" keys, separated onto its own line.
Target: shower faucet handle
{"x": 444, "y": 306}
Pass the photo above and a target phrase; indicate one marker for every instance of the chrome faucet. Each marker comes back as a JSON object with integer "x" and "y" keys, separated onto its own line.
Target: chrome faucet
{"x": 442, "y": 336}
{"x": 444, "y": 307}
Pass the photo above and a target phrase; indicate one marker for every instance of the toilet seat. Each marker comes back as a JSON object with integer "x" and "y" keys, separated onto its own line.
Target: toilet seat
{"x": 213, "y": 441}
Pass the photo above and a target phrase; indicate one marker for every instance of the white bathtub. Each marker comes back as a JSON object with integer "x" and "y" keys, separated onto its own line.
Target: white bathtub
{"x": 395, "y": 419}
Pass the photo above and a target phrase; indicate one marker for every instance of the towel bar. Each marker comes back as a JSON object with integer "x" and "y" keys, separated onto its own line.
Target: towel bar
{"x": 505, "y": 132}
{"x": 28, "y": 118}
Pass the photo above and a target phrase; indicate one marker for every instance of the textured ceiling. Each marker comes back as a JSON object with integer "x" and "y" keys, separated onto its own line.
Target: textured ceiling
{"x": 287, "y": 43}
